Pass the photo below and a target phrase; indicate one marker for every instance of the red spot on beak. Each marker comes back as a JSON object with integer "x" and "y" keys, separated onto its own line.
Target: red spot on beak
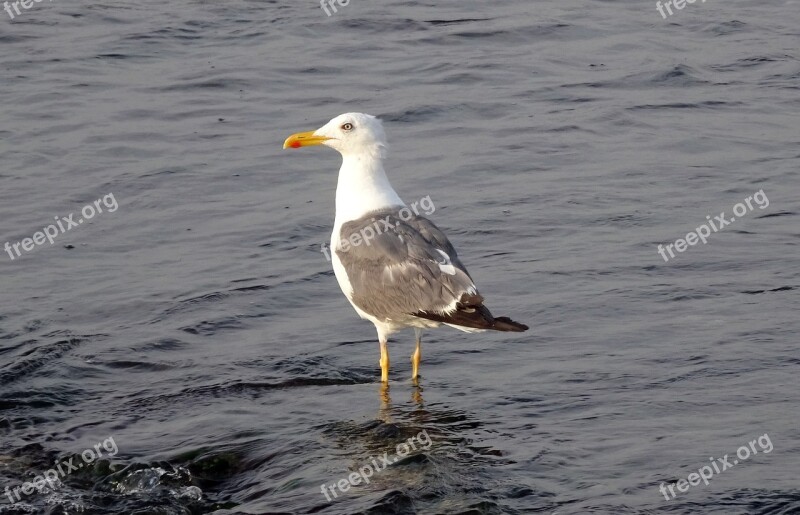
{"x": 295, "y": 144}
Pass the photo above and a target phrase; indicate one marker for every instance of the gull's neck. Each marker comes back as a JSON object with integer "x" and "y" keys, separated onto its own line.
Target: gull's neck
{"x": 362, "y": 187}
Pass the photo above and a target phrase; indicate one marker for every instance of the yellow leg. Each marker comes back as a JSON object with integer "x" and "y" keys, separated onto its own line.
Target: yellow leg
{"x": 384, "y": 361}
{"x": 417, "y": 356}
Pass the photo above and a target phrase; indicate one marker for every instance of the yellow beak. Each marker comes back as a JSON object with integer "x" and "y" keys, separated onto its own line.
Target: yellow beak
{"x": 304, "y": 139}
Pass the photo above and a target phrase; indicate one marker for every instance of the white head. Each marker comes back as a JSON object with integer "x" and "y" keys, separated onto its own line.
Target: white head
{"x": 350, "y": 133}
{"x": 362, "y": 186}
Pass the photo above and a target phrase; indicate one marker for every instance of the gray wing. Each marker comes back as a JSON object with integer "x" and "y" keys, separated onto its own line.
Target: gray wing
{"x": 398, "y": 266}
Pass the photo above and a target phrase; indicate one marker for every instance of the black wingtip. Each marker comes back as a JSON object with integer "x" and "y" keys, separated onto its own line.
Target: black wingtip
{"x": 506, "y": 324}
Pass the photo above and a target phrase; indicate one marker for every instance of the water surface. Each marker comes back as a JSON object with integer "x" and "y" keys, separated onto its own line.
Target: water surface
{"x": 200, "y": 326}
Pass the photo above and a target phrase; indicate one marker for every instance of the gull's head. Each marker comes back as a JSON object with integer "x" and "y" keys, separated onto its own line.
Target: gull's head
{"x": 350, "y": 134}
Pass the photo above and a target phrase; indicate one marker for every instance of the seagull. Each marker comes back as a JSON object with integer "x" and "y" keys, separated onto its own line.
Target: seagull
{"x": 397, "y": 269}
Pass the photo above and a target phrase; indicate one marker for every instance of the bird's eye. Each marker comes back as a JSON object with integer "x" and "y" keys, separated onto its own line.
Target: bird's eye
{"x": 347, "y": 127}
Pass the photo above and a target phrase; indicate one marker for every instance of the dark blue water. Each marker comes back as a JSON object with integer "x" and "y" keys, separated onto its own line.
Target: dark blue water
{"x": 199, "y": 328}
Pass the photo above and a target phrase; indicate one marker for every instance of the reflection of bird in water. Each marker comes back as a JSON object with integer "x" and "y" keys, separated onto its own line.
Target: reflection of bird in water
{"x": 396, "y": 268}
{"x": 384, "y": 413}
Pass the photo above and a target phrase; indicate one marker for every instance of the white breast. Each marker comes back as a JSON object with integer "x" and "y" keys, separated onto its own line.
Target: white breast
{"x": 338, "y": 268}
{"x": 342, "y": 279}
